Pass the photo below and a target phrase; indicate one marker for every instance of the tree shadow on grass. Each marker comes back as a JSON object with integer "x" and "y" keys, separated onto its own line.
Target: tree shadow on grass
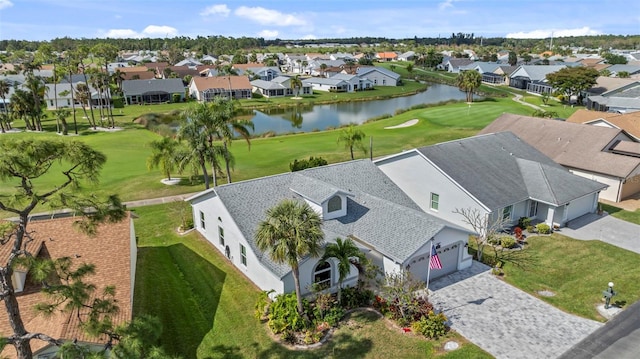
{"x": 342, "y": 345}
{"x": 183, "y": 290}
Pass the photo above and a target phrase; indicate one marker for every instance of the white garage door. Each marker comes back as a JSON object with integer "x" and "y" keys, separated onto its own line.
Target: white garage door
{"x": 448, "y": 257}
{"x": 579, "y": 207}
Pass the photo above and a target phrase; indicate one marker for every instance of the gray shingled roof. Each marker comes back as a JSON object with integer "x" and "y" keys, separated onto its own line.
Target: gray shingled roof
{"x": 315, "y": 190}
{"x": 500, "y": 169}
{"x": 323, "y": 81}
{"x": 537, "y": 72}
{"x": 363, "y": 71}
{"x": 267, "y": 85}
{"x": 378, "y": 212}
{"x": 139, "y": 87}
{"x": 572, "y": 145}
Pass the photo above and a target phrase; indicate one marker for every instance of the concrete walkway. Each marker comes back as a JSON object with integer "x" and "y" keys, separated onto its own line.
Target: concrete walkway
{"x": 605, "y": 228}
{"x": 503, "y": 320}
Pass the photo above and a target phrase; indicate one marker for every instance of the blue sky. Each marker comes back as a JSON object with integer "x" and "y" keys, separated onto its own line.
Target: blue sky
{"x": 301, "y": 19}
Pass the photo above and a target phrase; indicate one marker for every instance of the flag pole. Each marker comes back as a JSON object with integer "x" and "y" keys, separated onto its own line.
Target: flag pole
{"x": 429, "y": 265}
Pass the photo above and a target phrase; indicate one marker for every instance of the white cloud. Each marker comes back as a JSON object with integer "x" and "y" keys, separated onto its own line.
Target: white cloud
{"x": 446, "y": 4}
{"x": 160, "y": 31}
{"x": 309, "y": 37}
{"x": 149, "y": 31}
{"x": 219, "y": 9}
{"x": 269, "y": 17}
{"x": 268, "y": 34}
{"x": 5, "y": 4}
{"x": 541, "y": 34}
{"x": 118, "y": 17}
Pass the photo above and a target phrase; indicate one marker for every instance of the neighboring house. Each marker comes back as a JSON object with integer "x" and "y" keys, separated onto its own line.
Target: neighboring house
{"x": 206, "y": 88}
{"x": 533, "y": 78}
{"x": 355, "y": 82}
{"x": 139, "y": 92}
{"x": 112, "y": 66}
{"x": 407, "y": 56}
{"x": 386, "y": 56}
{"x": 487, "y": 70}
{"x": 327, "y": 85}
{"x": 499, "y": 175}
{"x": 342, "y": 56}
{"x": 379, "y": 75}
{"x": 112, "y": 251}
{"x": 179, "y": 72}
{"x": 189, "y": 62}
{"x": 279, "y": 87}
{"x": 258, "y": 71}
{"x": 136, "y": 73}
{"x": 454, "y": 65}
{"x": 594, "y": 152}
{"x": 63, "y": 99}
{"x": 354, "y": 199}
{"x": 208, "y": 59}
{"x": 629, "y": 122}
{"x": 614, "y": 70}
{"x": 622, "y": 99}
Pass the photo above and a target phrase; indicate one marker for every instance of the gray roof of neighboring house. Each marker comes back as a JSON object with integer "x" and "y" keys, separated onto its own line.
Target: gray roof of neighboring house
{"x": 65, "y": 87}
{"x": 329, "y": 63}
{"x": 500, "y": 169}
{"x": 323, "y": 81}
{"x": 481, "y": 66}
{"x": 345, "y": 77}
{"x": 139, "y": 87}
{"x": 363, "y": 71}
{"x": 631, "y": 69}
{"x": 538, "y": 72}
{"x": 573, "y": 145}
{"x": 617, "y": 102}
{"x": 459, "y": 62}
{"x": 379, "y": 213}
{"x": 267, "y": 85}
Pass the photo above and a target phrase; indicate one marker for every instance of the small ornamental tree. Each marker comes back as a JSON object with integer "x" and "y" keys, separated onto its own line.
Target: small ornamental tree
{"x": 572, "y": 81}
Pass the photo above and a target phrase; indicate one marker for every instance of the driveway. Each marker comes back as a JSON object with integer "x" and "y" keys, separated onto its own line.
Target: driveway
{"x": 503, "y": 320}
{"x": 606, "y": 228}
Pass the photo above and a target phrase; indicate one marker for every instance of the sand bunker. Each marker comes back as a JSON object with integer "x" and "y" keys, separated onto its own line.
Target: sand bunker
{"x": 402, "y": 125}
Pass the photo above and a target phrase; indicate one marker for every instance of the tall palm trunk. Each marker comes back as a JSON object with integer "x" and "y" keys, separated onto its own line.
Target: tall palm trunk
{"x": 227, "y": 160}
{"x": 89, "y": 100}
{"x": 73, "y": 102}
{"x": 108, "y": 93}
{"x": 296, "y": 281}
{"x": 55, "y": 94}
{"x": 203, "y": 165}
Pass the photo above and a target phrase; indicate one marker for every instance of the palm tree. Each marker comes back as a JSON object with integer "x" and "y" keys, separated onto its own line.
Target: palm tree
{"x": 38, "y": 89}
{"x": 296, "y": 84}
{"x": 196, "y": 154}
{"x": 84, "y": 97}
{"x": 346, "y": 253}
{"x": 4, "y": 91}
{"x": 61, "y": 115}
{"x": 323, "y": 67}
{"x": 163, "y": 155}
{"x": 468, "y": 81}
{"x": 290, "y": 232}
{"x": 352, "y": 137}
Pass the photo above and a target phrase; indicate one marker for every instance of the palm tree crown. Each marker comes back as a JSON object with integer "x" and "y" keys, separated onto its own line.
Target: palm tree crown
{"x": 352, "y": 137}
{"x": 346, "y": 253}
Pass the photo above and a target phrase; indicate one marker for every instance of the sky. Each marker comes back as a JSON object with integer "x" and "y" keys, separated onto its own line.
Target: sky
{"x": 315, "y": 19}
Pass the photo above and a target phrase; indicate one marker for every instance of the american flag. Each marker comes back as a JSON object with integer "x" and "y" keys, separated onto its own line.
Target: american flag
{"x": 434, "y": 261}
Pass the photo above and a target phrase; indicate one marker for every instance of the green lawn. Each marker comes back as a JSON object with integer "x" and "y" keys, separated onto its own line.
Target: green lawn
{"x": 633, "y": 217}
{"x": 206, "y": 306}
{"x": 577, "y": 272}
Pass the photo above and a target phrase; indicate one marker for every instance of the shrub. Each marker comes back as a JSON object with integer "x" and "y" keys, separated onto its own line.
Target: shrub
{"x": 117, "y": 102}
{"x": 524, "y": 222}
{"x": 493, "y": 240}
{"x": 176, "y": 97}
{"x": 334, "y": 315}
{"x": 354, "y": 297}
{"x": 531, "y": 229}
{"x": 283, "y": 314}
{"x": 304, "y": 164}
{"x": 507, "y": 242}
{"x": 432, "y": 325}
{"x": 517, "y": 232}
{"x": 543, "y": 228}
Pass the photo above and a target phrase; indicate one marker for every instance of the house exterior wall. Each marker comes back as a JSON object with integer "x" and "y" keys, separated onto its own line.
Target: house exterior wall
{"x": 133, "y": 248}
{"x": 612, "y": 192}
{"x": 213, "y": 208}
{"x": 307, "y": 270}
{"x": 630, "y": 186}
{"x": 581, "y": 206}
{"x": 418, "y": 178}
{"x": 380, "y": 79}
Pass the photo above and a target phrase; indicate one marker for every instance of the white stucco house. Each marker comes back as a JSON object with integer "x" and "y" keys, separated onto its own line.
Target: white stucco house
{"x": 496, "y": 174}
{"x": 355, "y": 199}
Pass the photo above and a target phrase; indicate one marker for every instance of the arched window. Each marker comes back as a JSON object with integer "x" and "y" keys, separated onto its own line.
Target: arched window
{"x": 335, "y": 204}
{"x": 322, "y": 275}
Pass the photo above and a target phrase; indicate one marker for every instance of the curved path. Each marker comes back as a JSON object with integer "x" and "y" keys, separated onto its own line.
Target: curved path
{"x": 518, "y": 98}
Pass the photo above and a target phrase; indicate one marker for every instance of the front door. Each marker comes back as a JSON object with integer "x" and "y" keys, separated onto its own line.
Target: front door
{"x": 227, "y": 252}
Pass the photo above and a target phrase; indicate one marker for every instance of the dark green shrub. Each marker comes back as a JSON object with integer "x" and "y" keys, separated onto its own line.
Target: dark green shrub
{"x": 283, "y": 314}
{"x": 543, "y": 228}
{"x": 334, "y": 315}
{"x": 354, "y": 297}
{"x": 432, "y": 325}
{"x": 507, "y": 242}
{"x": 176, "y": 97}
{"x": 304, "y": 164}
{"x": 524, "y": 222}
{"x": 531, "y": 229}
{"x": 118, "y": 102}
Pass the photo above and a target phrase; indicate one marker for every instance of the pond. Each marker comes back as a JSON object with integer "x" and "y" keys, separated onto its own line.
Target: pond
{"x": 321, "y": 117}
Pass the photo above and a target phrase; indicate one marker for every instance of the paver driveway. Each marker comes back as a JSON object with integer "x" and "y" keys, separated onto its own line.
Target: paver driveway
{"x": 607, "y": 228}
{"x": 503, "y": 320}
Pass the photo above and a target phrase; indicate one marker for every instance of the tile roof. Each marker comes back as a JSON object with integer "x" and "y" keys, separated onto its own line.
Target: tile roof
{"x": 569, "y": 144}
{"x": 500, "y": 169}
{"x": 109, "y": 251}
{"x": 376, "y": 207}
{"x": 222, "y": 82}
{"x": 630, "y": 122}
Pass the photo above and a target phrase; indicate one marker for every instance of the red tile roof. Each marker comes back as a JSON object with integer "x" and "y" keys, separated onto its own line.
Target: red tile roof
{"x": 222, "y": 82}
{"x": 109, "y": 251}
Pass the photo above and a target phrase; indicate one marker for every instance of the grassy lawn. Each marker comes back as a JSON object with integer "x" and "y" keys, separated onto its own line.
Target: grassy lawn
{"x": 633, "y": 217}
{"x": 125, "y": 172}
{"x": 206, "y": 306}
{"x": 577, "y": 272}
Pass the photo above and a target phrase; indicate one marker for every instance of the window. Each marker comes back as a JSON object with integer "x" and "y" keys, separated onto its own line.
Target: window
{"x": 506, "y": 212}
{"x": 435, "y": 201}
{"x": 221, "y": 235}
{"x": 335, "y": 204}
{"x": 243, "y": 255}
{"x": 533, "y": 209}
{"x": 202, "y": 225}
{"x": 322, "y": 275}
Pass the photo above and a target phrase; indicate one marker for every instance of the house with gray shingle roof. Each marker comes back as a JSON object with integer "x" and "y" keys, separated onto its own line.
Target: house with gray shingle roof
{"x": 154, "y": 91}
{"x": 587, "y": 151}
{"x": 355, "y": 200}
{"x": 622, "y": 99}
{"x": 279, "y": 87}
{"x": 533, "y": 78}
{"x": 379, "y": 76}
{"x": 498, "y": 174}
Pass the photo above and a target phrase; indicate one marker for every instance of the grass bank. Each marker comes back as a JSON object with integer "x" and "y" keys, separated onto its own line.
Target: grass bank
{"x": 206, "y": 305}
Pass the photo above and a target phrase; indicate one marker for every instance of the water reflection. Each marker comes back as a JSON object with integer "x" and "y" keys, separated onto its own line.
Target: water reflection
{"x": 309, "y": 118}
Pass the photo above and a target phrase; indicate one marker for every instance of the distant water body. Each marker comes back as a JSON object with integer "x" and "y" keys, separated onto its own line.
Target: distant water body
{"x": 321, "y": 117}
